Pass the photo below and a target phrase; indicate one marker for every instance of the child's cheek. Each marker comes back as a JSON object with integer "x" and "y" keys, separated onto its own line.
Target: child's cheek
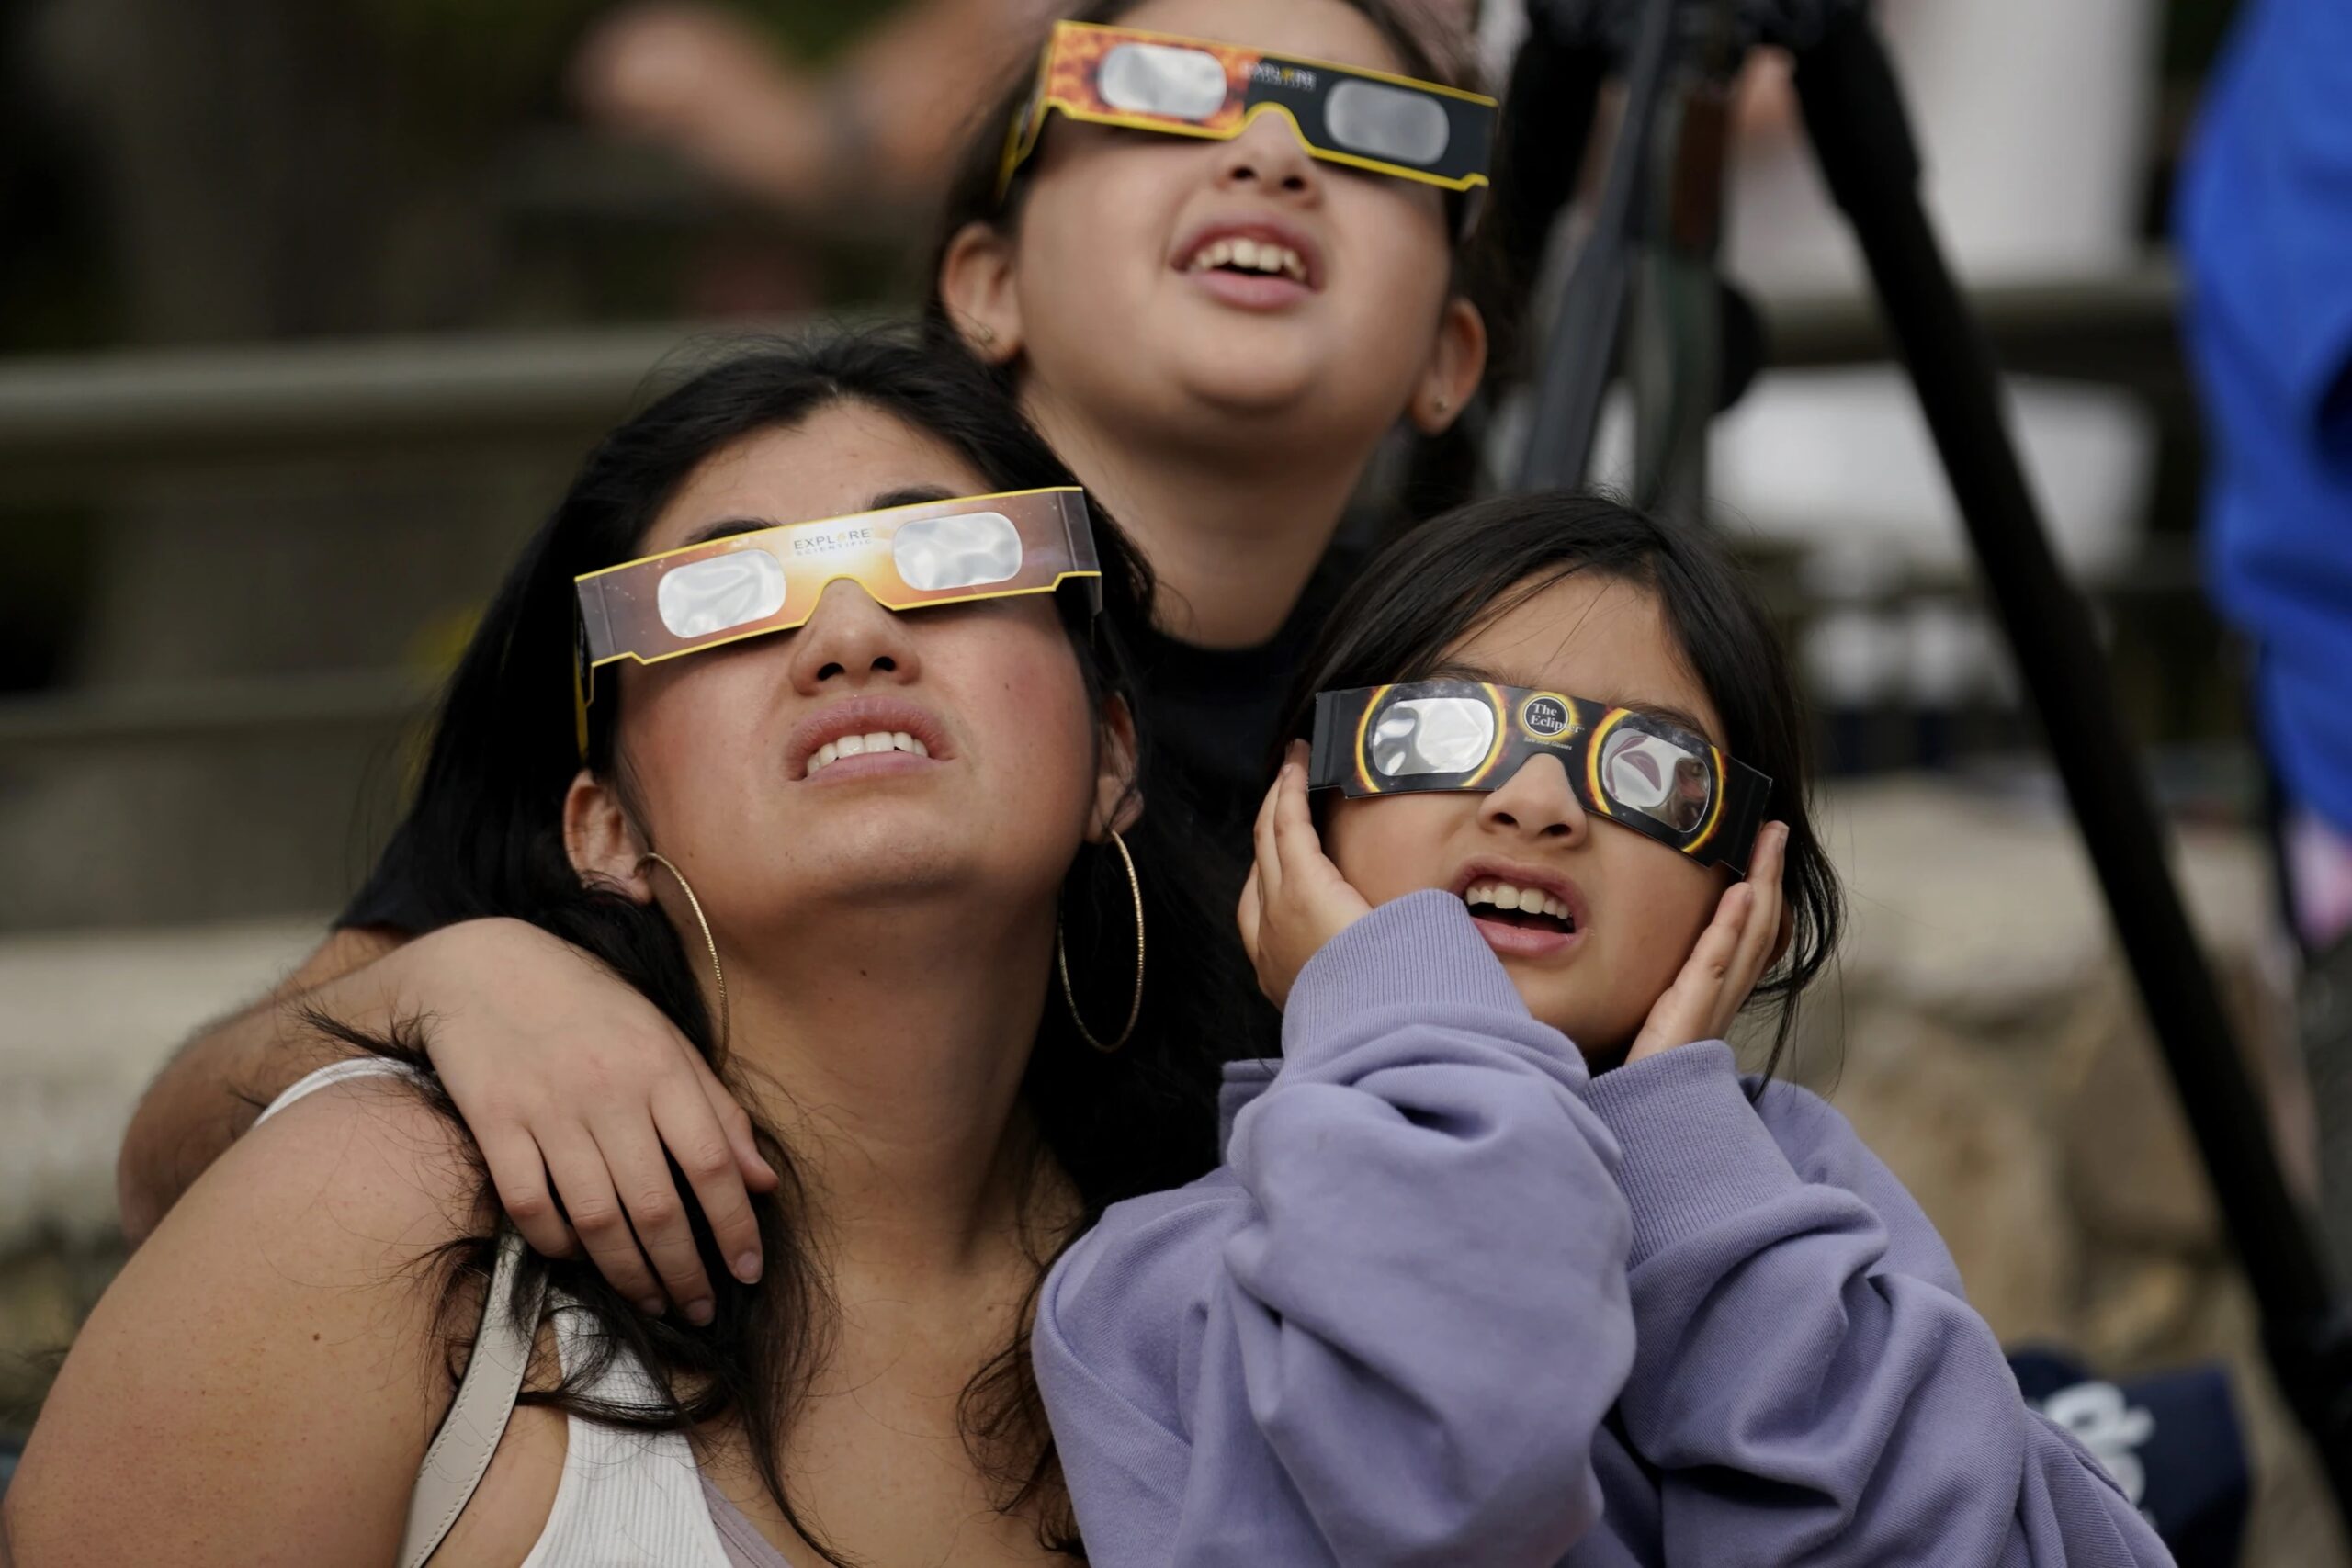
{"x": 1389, "y": 848}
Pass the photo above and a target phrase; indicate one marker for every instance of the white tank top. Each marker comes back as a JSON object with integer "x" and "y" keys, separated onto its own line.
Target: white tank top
{"x": 626, "y": 1499}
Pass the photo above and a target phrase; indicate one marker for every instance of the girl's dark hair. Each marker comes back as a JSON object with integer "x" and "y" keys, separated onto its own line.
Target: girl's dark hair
{"x": 1425, "y": 592}
{"x": 484, "y": 838}
{"x": 972, "y": 194}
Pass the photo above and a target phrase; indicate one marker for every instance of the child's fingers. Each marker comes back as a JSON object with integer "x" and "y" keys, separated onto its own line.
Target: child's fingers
{"x": 1718, "y": 945}
{"x": 1268, "y": 868}
{"x": 1298, "y": 848}
{"x": 1764, "y": 922}
{"x": 1686, "y": 1012}
{"x": 1250, "y": 913}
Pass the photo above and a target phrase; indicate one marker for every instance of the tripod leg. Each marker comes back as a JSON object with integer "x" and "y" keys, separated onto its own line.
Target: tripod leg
{"x": 1854, "y": 114}
{"x": 1581, "y": 350}
{"x": 1554, "y": 90}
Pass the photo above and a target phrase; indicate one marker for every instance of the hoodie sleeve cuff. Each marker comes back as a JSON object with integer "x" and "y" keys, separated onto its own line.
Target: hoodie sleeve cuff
{"x": 1419, "y": 951}
{"x": 1695, "y": 1151}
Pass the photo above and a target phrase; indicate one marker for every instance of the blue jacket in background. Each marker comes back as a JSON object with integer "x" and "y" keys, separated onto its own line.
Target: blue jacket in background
{"x": 2265, "y": 225}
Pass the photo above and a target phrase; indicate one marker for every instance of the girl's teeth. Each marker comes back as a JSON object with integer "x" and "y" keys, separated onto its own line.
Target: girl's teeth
{"x": 825, "y": 754}
{"x": 850, "y": 746}
{"x": 879, "y": 742}
{"x": 1252, "y": 255}
{"x": 1503, "y": 896}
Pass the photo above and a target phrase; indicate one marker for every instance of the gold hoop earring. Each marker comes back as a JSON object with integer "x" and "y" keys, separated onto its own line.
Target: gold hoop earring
{"x": 1061, "y": 959}
{"x": 709, "y": 942}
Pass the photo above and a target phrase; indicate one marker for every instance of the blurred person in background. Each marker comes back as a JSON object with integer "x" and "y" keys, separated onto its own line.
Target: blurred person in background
{"x": 873, "y": 128}
{"x": 2265, "y": 221}
{"x": 866, "y": 130}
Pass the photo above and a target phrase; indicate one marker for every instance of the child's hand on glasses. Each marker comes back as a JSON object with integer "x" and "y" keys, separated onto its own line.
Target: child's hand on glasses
{"x": 1729, "y": 957}
{"x": 1295, "y": 899}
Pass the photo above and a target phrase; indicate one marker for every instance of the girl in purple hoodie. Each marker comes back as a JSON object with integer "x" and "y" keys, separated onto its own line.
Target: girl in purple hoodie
{"x": 1506, "y": 1263}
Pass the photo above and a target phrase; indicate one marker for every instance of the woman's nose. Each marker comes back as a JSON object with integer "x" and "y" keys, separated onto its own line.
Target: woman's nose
{"x": 1536, "y": 803}
{"x": 849, "y": 642}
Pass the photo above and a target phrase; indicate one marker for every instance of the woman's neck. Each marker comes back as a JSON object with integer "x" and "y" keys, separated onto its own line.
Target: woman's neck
{"x": 1232, "y": 533}
{"x": 888, "y": 1054}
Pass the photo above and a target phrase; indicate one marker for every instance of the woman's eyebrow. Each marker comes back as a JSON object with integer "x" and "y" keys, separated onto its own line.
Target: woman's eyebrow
{"x": 1664, "y": 713}
{"x": 728, "y": 528}
{"x": 910, "y": 495}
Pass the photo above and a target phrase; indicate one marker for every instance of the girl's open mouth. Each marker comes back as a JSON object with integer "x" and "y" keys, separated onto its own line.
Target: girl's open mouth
{"x": 1521, "y": 908}
{"x": 1522, "y": 922}
{"x": 1255, "y": 262}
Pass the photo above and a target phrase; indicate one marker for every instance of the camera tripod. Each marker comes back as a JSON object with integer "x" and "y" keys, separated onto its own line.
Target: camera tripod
{"x": 1855, "y": 119}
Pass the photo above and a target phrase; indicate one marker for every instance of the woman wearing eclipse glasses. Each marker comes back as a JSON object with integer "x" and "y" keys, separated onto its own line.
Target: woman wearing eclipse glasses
{"x": 806, "y": 723}
{"x": 561, "y": 1127}
{"x": 1093, "y": 252}
{"x": 849, "y": 800}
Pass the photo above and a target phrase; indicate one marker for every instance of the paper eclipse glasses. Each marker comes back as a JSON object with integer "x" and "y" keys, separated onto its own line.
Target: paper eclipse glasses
{"x": 1366, "y": 119}
{"x": 1624, "y": 766}
{"x": 769, "y": 580}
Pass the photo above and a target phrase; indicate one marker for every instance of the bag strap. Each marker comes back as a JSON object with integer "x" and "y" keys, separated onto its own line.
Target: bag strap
{"x": 461, "y": 1452}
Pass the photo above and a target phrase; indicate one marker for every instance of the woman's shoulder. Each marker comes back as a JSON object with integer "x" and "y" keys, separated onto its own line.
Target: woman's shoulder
{"x": 269, "y": 1364}
{"x": 360, "y": 1140}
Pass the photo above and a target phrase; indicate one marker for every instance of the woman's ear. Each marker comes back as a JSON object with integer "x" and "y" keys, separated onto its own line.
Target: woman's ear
{"x": 1457, "y": 360}
{"x": 601, "y": 844}
{"x": 976, "y": 284}
{"x": 1117, "y": 801}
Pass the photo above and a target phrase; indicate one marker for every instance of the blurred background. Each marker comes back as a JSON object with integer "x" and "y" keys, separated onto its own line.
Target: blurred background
{"x": 308, "y": 308}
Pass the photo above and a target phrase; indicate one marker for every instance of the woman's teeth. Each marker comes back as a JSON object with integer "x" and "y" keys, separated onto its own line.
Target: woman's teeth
{"x": 1530, "y": 900}
{"x": 859, "y": 745}
{"x": 1248, "y": 255}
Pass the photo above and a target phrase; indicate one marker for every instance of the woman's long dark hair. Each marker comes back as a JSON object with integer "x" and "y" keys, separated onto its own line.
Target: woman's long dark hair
{"x": 484, "y": 838}
{"x": 1456, "y": 573}
{"x": 972, "y": 186}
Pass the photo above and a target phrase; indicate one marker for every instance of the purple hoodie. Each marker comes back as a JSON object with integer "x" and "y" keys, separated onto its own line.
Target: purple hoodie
{"x": 1450, "y": 1302}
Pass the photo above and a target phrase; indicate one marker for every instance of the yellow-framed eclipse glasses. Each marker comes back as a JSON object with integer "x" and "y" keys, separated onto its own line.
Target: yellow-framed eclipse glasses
{"x": 1366, "y": 119}
{"x": 1623, "y": 765}
{"x": 769, "y": 580}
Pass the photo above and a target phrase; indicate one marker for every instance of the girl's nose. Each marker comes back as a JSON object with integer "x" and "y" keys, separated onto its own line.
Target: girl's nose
{"x": 1269, "y": 158}
{"x": 1536, "y": 803}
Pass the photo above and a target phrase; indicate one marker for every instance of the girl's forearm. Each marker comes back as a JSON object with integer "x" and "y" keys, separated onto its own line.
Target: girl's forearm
{"x": 1812, "y": 1387}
